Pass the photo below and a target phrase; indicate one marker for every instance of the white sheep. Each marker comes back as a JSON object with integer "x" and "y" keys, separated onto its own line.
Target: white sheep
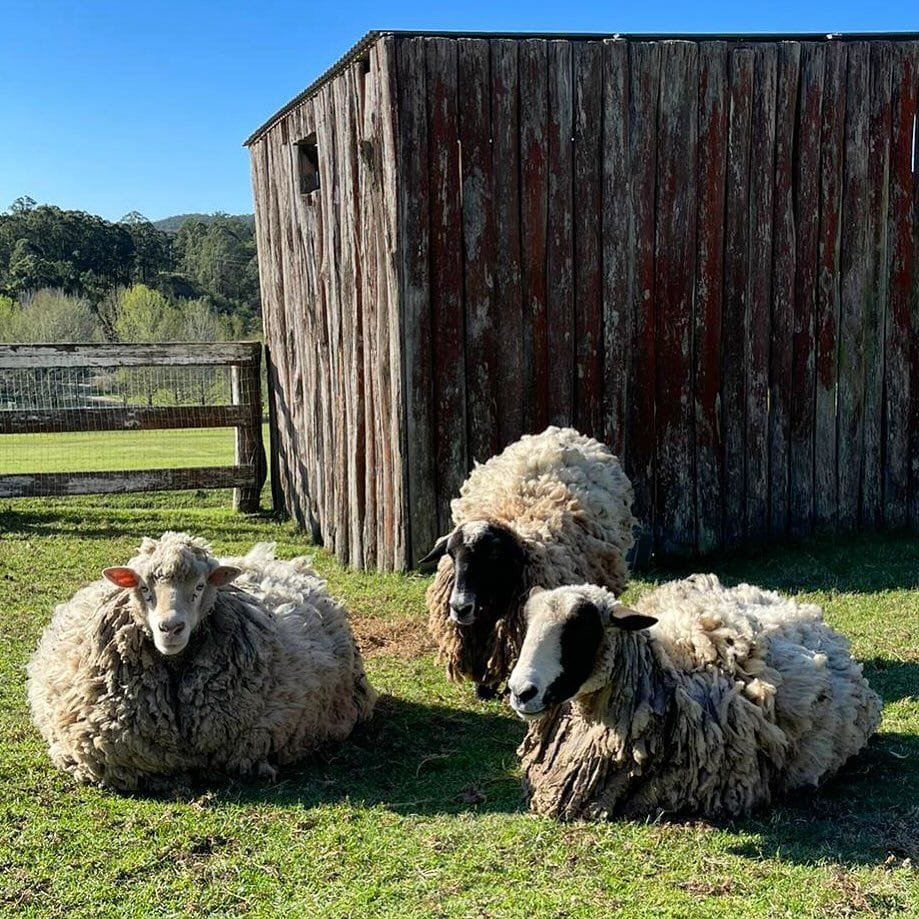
{"x": 553, "y": 508}
{"x": 166, "y": 668}
{"x": 734, "y": 696}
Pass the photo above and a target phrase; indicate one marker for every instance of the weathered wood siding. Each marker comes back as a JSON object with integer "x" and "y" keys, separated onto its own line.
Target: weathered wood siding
{"x": 702, "y": 252}
{"x": 332, "y": 313}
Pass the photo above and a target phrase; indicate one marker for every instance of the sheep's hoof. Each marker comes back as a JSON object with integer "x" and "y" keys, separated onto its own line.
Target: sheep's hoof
{"x": 485, "y": 692}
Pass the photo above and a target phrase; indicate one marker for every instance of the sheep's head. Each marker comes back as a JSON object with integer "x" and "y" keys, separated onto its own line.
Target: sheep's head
{"x": 174, "y": 580}
{"x": 565, "y": 631}
{"x": 488, "y": 566}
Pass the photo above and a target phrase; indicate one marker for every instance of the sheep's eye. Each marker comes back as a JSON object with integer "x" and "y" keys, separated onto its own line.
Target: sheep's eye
{"x": 145, "y": 591}
{"x": 199, "y": 588}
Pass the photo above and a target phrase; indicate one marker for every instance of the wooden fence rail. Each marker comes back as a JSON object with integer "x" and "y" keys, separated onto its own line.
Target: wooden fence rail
{"x": 703, "y": 252}
{"x": 246, "y": 477}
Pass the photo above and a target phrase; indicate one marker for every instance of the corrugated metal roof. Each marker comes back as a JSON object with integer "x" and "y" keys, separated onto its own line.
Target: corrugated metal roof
{"x": 360, "y": 48}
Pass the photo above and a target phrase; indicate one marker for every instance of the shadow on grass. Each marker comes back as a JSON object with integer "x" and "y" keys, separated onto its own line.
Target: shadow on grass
{"x": 852, "y": 563}
{"x": 65, "y": 517}
{"x": 866, "y": 815}
{"x": 892, "y": 680}
{"x": 410, "y": 758}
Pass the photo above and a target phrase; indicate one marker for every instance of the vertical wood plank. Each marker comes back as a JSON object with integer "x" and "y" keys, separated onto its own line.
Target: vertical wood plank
{"x": 559, "y": 245}
{"x": 344, "y": 94}
{"x": 807, "y": 210}
{"x": 336, "y": 533}
{"x": 508, "y": 301}
{"x": 644, "y": 80}
{"x": 854, "y": 285}
{"x": 828, "y": 290}
{"x": 736, "y": 292}
{"x": 757, "y": 335}
{"x": 447, "y": 325}
{"x": 482, "y": 349}
{"x": 674, "y": 520}
{"x": 912, "y": 53}
{"x": 369, "y": 180}
{"x": 714, "y": 103}
{"x": 618, "y": 252}
{"x": 395, "y": 516}
{"x": 587, "y": 221}
{"x": 533, "y": 65}
{"x": 781, "y": 355}
{"x": 413, "y": 234}
{"x": 876, "y": 311}
{"x": 899, "y": 323}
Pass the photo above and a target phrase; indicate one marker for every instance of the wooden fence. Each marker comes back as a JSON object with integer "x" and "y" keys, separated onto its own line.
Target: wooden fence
{"x": 246, "y": 477}
{"x": 703, "y": 252}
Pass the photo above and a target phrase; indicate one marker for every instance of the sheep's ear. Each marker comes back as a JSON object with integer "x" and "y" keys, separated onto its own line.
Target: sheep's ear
{"x": 222, "y": 575}
{"x": 628, "y": 619}
{"x": 121, "y": 577}
{"x": 439, "y": 550}
{"x": 535, "y": 592}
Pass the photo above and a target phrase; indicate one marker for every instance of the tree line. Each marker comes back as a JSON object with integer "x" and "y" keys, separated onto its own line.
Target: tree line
{"x": 73, "y": 276}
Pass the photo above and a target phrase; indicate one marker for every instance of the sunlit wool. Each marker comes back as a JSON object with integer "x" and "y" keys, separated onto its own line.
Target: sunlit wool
{"x": 735, "y": 696}
{"x": 568, "y": 502}
{"x": 270, "y": 673}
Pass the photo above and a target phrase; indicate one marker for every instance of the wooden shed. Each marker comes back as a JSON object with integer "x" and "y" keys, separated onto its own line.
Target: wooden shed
{"x": 701, "y": 250}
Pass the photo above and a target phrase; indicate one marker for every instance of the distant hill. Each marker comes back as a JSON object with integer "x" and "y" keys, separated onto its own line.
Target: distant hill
{"x": 172, "y": 224}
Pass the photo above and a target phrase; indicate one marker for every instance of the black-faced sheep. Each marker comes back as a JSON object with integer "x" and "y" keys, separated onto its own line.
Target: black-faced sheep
{"x": 734, "y": 696}
{"x": 553, "y": 508}
{"x": 167, "y": 668}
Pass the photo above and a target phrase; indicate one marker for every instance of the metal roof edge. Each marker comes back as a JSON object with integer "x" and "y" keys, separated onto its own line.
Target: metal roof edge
{"x": 358, "y": 49}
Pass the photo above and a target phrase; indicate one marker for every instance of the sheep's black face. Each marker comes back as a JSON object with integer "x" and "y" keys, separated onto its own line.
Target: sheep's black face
{"x": 488, "y": 565}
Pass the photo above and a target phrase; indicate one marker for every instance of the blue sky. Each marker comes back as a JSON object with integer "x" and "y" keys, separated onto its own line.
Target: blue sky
{"x": 116, "y": 106}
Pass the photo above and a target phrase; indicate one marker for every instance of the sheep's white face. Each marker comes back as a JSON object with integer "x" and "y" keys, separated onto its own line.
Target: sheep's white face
{"x": 172, "y": 607}
{"x": 564, "y": 637}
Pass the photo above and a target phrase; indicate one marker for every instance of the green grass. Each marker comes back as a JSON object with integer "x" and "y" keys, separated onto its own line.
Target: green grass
{"x": 105, "y": 451}
{"x": 421, "y": 812}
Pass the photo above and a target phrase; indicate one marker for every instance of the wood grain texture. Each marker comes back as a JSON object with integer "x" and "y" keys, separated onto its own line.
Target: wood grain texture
{"x": 413, "y": 234}
{"x": 854, "y": 269}
{"x": 55, "y": 484}
{"x": 781, "y": 338}
{"x": 709, "y": 293}
{"x": 482, "y": 346}
{"x": 807, "y": 185}
{"x": 587, "y": 224}
{"x": 828, "y": 288}
{"x": 736, "y": 293}
{"x": 560, "y": 243}
{"x": 872, "y": 508}
{"x": 508, "y": 301}
{"x": 618, "y": 252}
{"x": 757, "y": 331}
{"x": 533, "y": 67}
{"x": 644, "y": 86}
{"x": 446, "y": 280}
{"x": 674, "y": 279}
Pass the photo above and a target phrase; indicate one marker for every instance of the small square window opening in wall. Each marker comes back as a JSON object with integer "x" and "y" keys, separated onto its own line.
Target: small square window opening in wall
{"x": 308, "y": 162}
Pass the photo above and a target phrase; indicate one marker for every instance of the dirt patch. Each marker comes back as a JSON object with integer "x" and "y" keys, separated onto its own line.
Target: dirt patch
{"x": 405, "y": 638}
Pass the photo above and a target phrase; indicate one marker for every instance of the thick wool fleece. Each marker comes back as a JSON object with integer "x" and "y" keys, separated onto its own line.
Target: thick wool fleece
{"x": 270, "y": 673}
{"x": 735, "y": 696}
{"x": 566, "y": 498}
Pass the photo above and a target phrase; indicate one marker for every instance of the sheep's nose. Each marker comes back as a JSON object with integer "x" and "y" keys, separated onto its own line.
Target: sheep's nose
{"x": 463, "y": 613}
{"x": 170, "y": 628}
{"x": 525, "y": 694}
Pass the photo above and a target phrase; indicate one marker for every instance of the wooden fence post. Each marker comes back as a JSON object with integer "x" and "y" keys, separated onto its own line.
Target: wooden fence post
{"x": 246, "y": 390}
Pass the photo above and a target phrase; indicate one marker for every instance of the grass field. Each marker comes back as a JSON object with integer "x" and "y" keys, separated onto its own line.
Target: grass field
{"x": 421, "y": 813}
{"x": 104, "y": 451}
